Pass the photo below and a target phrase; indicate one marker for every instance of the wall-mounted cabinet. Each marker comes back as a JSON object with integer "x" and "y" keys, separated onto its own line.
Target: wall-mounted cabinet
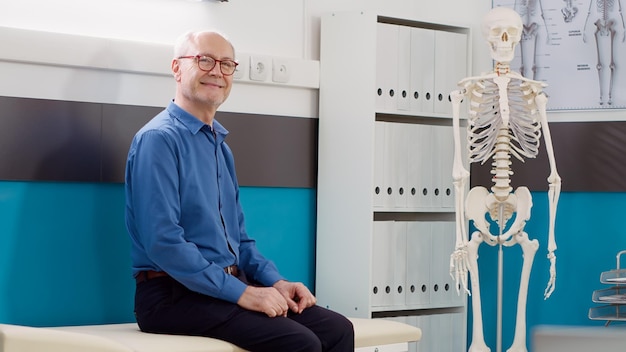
{"x": 385, "y": 227}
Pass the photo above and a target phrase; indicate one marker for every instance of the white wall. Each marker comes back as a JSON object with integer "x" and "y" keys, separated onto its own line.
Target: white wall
{"x": 279, "y": 28}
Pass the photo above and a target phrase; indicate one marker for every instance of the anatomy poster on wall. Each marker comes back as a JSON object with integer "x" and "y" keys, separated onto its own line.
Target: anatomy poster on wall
{"x": 577, "y": 47}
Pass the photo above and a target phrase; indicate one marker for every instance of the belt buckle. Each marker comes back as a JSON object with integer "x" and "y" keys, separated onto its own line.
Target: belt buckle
{"x": 229, "y": 270}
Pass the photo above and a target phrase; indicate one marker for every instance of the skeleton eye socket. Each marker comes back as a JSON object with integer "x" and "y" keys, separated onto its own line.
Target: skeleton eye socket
{"x": 513, "y": 32}
{"x": 495, "y": 32}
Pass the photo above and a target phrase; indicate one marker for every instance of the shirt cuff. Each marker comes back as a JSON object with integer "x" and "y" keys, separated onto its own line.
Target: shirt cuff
{"x": 233, "y": 289}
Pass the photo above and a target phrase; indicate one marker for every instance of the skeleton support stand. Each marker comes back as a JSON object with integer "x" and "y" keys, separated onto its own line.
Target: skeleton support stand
{"x": 507, "y": 114}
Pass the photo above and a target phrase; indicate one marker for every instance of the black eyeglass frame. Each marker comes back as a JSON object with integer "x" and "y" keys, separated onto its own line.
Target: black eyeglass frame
{"x": 215, "y": 62}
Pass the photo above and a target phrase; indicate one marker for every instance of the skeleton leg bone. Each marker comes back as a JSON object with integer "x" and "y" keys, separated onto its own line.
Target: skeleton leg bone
{"x": 478, "y": 337}
{"x": 529, "y": 248}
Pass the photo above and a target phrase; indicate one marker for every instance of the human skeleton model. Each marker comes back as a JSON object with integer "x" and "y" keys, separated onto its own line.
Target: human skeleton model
{"x": 506, "y": 117}
{"x": 531, "y": 13}
{"x": 609, "y": 17}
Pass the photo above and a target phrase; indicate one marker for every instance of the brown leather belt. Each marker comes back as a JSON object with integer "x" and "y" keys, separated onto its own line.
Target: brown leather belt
{"x": 151, "y": 274}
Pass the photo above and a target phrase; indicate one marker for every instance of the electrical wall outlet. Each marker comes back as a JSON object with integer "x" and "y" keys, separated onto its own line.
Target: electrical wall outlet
{"x": 280, "y": 70}
{"x": 242, "y": 68}
{"x": 259, "y": 67}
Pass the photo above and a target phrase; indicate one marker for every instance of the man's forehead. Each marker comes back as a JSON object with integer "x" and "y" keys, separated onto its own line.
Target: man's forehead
{"x": 214, "y": 43}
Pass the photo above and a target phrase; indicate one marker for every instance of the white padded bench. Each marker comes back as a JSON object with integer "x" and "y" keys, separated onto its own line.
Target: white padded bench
{"x": 370, "y": 335}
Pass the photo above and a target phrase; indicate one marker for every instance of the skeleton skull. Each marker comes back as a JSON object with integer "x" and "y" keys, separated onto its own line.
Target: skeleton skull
{"x": 502, "y": 28}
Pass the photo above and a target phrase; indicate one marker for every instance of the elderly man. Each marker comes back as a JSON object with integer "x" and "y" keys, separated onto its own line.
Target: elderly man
{"x": 197, "y": 270}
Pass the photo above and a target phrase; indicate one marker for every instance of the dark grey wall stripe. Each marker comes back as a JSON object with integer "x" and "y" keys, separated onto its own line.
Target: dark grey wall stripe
{"x": 273, "y": 150}
{"x": 49, "y": 140}
{"x": 590, "y": 156}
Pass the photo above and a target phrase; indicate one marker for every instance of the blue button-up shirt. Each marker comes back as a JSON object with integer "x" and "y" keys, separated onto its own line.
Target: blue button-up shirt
{"x": 182, "y": 207}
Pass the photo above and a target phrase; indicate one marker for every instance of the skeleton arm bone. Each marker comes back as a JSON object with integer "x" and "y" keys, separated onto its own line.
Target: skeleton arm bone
{"x": 554, "y": 191}
{"x": 459, "y": 260}
{"x": 621, "y": 16}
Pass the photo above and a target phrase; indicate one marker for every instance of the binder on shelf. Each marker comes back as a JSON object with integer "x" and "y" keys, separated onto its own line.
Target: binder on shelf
{"x": 422, "y": 78}
{"x": 381, "y": 268}
{"x": 415, "y": 159}
{"x": 418, "y": 174}
{"x": 443, "y": 146}
{"x": 428, "y": 172}
{"x": 398, "y": 264}
{"x": 437, "y": 167}
{"x": 444, "y": 292}
{"x": 449, "y": 47}
{"x": 446, "y": 147}
{"x": 403, "y": 102}
{"x": 386, "y": 69}
{"x": 399, "y": 166}
{"x": 419, "y": 261}
{"x": 389, "y": 162}
{"x": 379, "y": 189}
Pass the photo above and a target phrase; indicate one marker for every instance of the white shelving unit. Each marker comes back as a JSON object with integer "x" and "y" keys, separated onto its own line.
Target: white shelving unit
{"x": 385, "y": 212}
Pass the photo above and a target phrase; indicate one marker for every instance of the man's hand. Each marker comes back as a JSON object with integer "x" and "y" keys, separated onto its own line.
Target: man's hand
{"x": 266, "y": 300}
{"x": 297, "y": 295}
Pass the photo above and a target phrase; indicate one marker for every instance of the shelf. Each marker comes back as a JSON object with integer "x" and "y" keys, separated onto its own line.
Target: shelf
{"x": 613, "y": 277}
{"x": 613, "y": 295}
{"x": 612, "y": 312}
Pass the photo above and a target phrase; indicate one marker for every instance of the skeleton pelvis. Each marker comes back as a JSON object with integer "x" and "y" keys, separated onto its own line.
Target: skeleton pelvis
{"x": 480, "y": 203}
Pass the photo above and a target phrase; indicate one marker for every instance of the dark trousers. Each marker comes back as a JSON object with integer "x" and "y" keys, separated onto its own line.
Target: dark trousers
{"x": 163, "y": 305}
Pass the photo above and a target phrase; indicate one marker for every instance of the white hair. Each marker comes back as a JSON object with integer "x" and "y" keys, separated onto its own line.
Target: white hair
{"x": 182, "y": 44}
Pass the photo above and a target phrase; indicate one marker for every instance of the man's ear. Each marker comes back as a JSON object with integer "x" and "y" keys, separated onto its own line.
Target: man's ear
{"x": 176, "y": 69}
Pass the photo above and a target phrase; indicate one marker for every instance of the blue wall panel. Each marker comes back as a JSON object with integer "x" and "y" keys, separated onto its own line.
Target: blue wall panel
{"x": 64, "y": 253}
{"x": 64, "y": 256}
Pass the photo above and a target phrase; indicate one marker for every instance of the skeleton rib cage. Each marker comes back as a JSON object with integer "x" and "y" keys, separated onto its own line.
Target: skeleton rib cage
{"x": 486, "y": 124}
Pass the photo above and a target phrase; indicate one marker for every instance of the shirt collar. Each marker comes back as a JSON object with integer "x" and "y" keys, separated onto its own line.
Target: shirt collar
{"x": 192, "y": 123}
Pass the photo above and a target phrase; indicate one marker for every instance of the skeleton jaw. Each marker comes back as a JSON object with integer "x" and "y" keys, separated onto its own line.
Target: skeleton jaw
{"x": 503, "y": 52}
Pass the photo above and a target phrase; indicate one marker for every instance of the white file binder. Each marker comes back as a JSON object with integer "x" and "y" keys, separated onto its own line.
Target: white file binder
{"x": 398, "y": 262}
{"x": 386, "y": 67}
{"x": 379, "y": 188}
{"x": 381, "y": 265}
{"x": 403, "y": 102}
{"x": 437, "y": 166}
{"x": 422, "y": 79}
{"x": 441, "y": 281}
{"x": 419, "y": 262}
{"x": 446, "y": 155}
{"x": 429, "y": 172}
{"x": 399, "y": 167}
{"x": 415, "y": 162}
{"x": 443, "y": 146}
{"x": 388, "y": 191}
{"x": 438, "y": 270}
{"x": 450, "y": 54}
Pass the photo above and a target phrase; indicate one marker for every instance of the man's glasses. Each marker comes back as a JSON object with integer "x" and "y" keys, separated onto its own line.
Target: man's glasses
{"x": 207, "y": 63}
